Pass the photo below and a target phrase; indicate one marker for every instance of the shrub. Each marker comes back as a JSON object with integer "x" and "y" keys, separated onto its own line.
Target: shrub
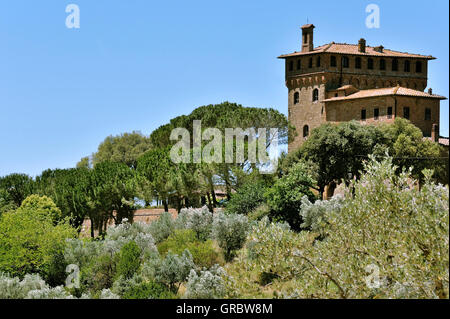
{"x": 125, "y": 232}
{"x": 230, "y": 231}
{"x": 247, "y": 198}
{"x": 197, "y": 219}
{"x": 98, "y": 274}
{"x": 42, "y": 205}
{"x": 148, "y": 290}
{"x": 270, "y": 249}
{"x": 285, "y": 197}
{"x": 49, "y": 293}
{"x": 14, "y": 288}
{"x": 389, "y": 225}
{"x": 128, "y": 260}
{"x": 208, "y": 284}
{"x": 162, "y": 228}
{"x": 31, "y": 243}
{"x": 171, "y": 270}
{"x": 259, "y": 212}
{"x": 203, "y": 253}
{"x": 314, "y": 216}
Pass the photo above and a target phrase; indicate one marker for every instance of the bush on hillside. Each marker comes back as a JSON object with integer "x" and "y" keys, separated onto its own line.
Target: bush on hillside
{"x": 230, "y": 231}
{"x": 203, "y": 252}
{"x": 247, "y": 198}
{"x": 198, "y": 220}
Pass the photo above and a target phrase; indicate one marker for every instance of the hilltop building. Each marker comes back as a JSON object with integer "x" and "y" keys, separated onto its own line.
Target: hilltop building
{"x": 339, "y": 82}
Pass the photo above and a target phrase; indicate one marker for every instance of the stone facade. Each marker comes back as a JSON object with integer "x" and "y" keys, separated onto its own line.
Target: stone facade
{"x": 315, "y": 76}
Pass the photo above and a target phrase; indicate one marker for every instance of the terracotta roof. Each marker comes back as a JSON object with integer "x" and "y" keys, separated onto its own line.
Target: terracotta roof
{"x": 398, "y": 90}
{"x": 344, "y": 48}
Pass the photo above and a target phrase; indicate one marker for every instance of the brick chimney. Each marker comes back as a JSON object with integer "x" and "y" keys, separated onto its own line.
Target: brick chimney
{"x": 362, "y": 45}
{"x": 379, "y": 48}
{"x": 435, "y": 133}
{"x": 308, "y": 37}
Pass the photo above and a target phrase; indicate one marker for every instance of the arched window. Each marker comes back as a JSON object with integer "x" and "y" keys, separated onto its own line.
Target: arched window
{"x": 370, "y": 64}
{"x": 358, "y": 63}
{"x": 305, "y": 131}
{"x": 315, "y": 96}
{"x": 407, "y": 66}
{"x": 345, "y": 62}
{"x": 318, "y": 61}
{"x": 299, "y": 64}
{"x": 419, "y": 67}
{"x": 395, "y": 65}
{"x": 296, "y": 98}
{"x": 382, "y": 64}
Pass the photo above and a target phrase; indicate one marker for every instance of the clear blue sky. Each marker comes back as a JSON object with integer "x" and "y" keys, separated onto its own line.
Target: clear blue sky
{"x": 135, "y": 64}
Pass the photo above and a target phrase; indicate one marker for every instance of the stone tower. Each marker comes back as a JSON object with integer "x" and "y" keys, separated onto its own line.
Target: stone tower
{"x": 339, "y": 82}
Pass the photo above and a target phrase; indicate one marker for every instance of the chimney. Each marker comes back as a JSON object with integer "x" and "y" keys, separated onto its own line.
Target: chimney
{"x": 430, "y": 91}
{"x": 435, "y": 133}
{"x": 379, "y": 48}
{"x": 308, "y": 37}
{"x": 362, "y": 45}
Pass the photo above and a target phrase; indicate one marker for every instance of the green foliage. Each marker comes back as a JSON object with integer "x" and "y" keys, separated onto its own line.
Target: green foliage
{"x": 6, "y": 203}
{"x": 30, "y": 242}
{"x": 149, "y": 290}
{"x": 14, "y": 288}
{"x": 314, "y": 216}
{"x": 285, "y": 197}
{"x": 198, "y": 220}
{"x": 392, "y": 224}
{"x": 69, "y": 189}
{"x": 230, "y": 231}
{"x": 171, "y": 270}
{"x": 42, "y": 205}
{"x": 125, "y": 148}
{"x": 389, "y": 240}
{"x": 338, "y": 151}
{"x": 162, "y": 228}
{"x": 129, "y": 260}
{"x": 207, "y": 284}
{"x": 17, "y": 186}
{"x": 270, "y": 250}
{"x": 409, "y": 149}
{"x": 203, "y": 252}
{"x": 247, "y": 198}
{"x": 113, "y": 189}
{"x": 98, "y": 273}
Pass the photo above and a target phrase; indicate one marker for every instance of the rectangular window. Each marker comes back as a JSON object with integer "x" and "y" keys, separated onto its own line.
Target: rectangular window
{"x": 376, "y": 114}
{"x": 427, "y": 114}
{"x": 370, "y": 64}
{"x": 419, "y": 67}
{"x": 333, "y": 61}
{"x": 299, "y": 64}
{"x": 345, "y": 62}
{"x": 363, "y": 114}
{"x": 318, "y": 61}
{"x": 310, "y": 63}
{"x": 389, "y": 112}
{"x": 406, "y": 112}
{"x": 358, "y": 63}
{"x": 382, "y": 64}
